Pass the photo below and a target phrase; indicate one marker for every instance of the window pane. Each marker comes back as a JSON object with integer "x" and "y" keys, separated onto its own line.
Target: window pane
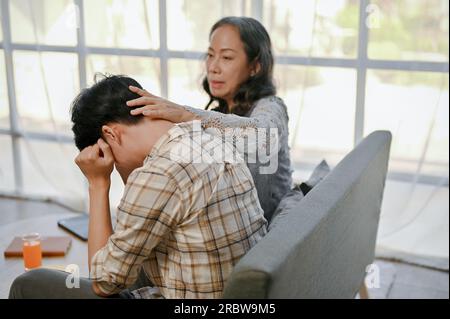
{"x": 46, "y": 84}
{"x": 4, "y": 104}
{"x": 325, "y": 121}
{"x": 189, "y": 22}
{"x": 413, "y": 106}
{"x": 144, "y": 70}
{"x": 122, "y": 23}
{"x": 6, "y": 164}
{"x": 324, "y": 28}
{"x": 49, "y": 168}
{"x": 409, "y": 30}
{"x": 51, "y": 22}
{"x": 185, "y": 77}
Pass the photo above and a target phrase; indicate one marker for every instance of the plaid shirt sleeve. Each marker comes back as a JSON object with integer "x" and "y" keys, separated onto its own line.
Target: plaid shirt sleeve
{"x": 150, "y": 207}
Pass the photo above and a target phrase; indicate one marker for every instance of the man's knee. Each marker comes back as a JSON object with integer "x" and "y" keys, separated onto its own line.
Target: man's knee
{"x": 16, "y": 289}
{"x": 27, "y": 285}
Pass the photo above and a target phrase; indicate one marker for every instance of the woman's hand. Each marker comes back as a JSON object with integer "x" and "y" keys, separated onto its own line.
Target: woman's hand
{"x": 157, "y": 107}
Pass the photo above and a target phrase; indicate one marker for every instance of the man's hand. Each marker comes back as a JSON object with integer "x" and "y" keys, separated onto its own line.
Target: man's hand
{"x": 97, "y": 163}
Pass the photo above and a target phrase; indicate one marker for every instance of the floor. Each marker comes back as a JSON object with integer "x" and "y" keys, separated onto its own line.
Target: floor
{"x": 405, "y": 281}
{"x": 415, "y": 220}
{"x": 391, "y": 280}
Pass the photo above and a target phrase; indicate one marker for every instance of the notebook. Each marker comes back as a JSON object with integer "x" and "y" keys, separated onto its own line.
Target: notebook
{"x": 78, "y": 226}
{"x": 50, "y": 246}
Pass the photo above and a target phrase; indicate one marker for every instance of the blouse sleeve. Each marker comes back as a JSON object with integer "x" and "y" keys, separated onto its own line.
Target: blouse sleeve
{"x": 268, "y": 120}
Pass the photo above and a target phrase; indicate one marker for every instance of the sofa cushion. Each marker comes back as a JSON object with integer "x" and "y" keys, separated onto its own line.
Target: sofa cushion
{"x": 317, "y": 175}
{"x": 291, "y": 199}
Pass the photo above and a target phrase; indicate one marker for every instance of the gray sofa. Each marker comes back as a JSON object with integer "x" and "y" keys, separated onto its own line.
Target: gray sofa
{"x": 323, "y": 245}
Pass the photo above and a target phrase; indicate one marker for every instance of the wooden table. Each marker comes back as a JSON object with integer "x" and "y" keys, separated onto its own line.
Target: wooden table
{"x": 12, "y": 267}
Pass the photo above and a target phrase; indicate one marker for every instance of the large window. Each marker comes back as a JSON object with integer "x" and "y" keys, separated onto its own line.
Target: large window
{"x": 310, "y": 27}
{"x": 414, "y": 107}
{"x": 409, "y": 30}
{"x": 344, "y": 68}
{"x": 127, "y": 24}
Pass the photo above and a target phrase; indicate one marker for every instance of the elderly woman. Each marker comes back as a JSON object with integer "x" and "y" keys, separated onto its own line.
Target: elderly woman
{"x": 239, "y": 82}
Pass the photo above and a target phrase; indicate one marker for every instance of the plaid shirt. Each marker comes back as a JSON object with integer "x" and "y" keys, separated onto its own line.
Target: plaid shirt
{"x": 185, "y": 222}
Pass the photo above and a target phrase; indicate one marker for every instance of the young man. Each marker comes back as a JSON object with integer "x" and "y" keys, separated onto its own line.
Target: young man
{"x": 184, "y": 220}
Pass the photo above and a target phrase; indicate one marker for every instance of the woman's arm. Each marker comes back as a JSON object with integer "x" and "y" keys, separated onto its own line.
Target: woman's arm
{"x": 266, "y": 125}
{"x": 268, "y": 113}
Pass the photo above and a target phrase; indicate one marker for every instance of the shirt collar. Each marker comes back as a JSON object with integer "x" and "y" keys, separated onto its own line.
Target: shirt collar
{"x": 176, "y": 131}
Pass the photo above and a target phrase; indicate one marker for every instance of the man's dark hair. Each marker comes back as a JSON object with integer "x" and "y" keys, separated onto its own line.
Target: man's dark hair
{"x": 102, "y": 103}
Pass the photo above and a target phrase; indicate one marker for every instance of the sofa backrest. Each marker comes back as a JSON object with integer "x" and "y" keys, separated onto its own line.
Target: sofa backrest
{"x": 322, "y": 248}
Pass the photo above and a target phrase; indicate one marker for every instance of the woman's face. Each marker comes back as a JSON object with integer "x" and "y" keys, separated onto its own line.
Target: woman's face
{"x": 227, "y": 65}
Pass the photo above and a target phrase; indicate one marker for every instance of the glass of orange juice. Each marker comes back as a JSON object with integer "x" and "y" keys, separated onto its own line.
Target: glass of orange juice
{"x": 32, "y": 252}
